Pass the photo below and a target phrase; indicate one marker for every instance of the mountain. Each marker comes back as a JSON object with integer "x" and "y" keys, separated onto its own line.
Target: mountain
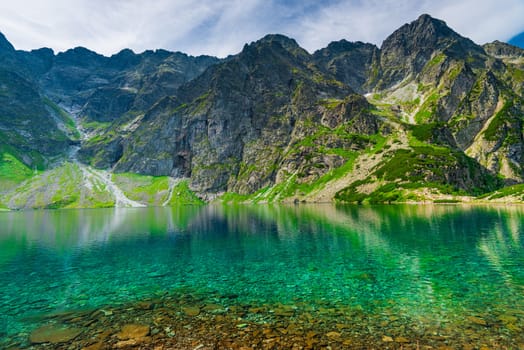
{"x": 472, "y": 98}
{"x": 430, "y": 115}
{"x": 5, "y": 45}
{"x": 32, "y": 128}
{"x": 241, "y": 125}
{"x": 44, "y": 95}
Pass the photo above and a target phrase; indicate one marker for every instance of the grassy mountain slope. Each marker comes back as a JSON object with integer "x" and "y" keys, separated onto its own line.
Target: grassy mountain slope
{"x": 72, "y": 185}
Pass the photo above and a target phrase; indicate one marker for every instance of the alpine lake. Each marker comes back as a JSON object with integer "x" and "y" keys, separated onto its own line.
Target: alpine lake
{"x": 263, "y": 277}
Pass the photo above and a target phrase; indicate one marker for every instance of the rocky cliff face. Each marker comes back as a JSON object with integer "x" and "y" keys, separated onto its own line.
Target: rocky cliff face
{"x": 277, "y": 123}
{"x": 39, "y": 88}
{"x": 240, "y": 126}
{"x": 32, "y": 128}
{"x": 350, "y": 63}
{"x": 103, "y": 89}
{"x": 21, "y": 109}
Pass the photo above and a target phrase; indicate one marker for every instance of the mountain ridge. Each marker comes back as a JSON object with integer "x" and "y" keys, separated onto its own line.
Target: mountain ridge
{"x": 276, "y": 123}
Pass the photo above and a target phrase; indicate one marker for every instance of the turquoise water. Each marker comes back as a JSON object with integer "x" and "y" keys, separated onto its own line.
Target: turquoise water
{"x": 430, "y": 266}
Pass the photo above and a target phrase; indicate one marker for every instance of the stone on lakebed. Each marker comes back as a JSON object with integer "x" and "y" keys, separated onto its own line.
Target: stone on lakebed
{"x": 133, "y": 331}
{"x": 53, "y": 334}
{"x": 191, "y": 310}
{"x": 477, "y": 320}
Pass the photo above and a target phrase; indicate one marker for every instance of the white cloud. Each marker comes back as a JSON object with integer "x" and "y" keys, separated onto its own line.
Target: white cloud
{"x": 105, "y": 26}
{"x": 221, "y": 27}
{"x": 373, "y": 20}
{"x": 484, "y": 21}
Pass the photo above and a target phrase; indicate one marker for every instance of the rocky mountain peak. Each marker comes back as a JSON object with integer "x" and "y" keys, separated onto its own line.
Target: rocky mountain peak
{"x": 500, "y": 49}
{"x": 274, "y": 44}
{"x": 80, "y": 56}
{"x": 422, "y": 36}
{"x": 124, "y": 54}
{"x": 343, "y": 45}
{"x": 125, "y": 58}
{"x": 269, "y": 60}
{"x": 280, "y": 39}
{"x": 405, "y": 52}
{"x": 349, "y": 62}
{"x": 425, "y": 27}
{"x": 5, "y": 45}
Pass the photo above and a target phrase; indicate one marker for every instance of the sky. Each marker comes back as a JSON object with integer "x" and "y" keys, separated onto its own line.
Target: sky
{"x": 222, "y": 27}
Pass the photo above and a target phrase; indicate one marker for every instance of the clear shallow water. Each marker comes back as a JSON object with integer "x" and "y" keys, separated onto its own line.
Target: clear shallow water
{"x": 433, "y": 266}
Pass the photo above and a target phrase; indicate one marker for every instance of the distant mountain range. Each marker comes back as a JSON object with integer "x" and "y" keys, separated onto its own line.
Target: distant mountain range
{"x": 428, "y": 116}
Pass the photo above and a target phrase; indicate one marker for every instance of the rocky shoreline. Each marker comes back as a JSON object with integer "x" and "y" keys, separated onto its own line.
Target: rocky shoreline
{"x": 189, "y": 321}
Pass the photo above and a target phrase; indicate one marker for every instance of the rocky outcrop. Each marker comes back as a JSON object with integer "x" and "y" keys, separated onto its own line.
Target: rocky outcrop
{"x": 499, "y": 49}
{"x": 352, "y": 63}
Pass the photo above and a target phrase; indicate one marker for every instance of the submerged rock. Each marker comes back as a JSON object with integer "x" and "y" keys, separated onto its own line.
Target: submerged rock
{"x": 53, "y": 334}
{"x": 387, "y": 339}
{"x": 191, "y": 310}
{"x": 507, "y": 318}
{"x": 401, "y": 340}
{"x": 333, "y": 335}
{"x": 477, "y": 320}
{"x": 133, "y": 331}
{"x": 126, "y": 344}
{"x": 95, "y": 346}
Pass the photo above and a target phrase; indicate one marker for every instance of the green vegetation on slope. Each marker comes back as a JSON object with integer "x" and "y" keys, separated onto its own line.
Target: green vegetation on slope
{"x": 405, "y": 171}
{"x": 425, "y": 132}
{"x": 387, "y": 193}
{"x": 61, "y": 187}
{"x": 295, "y": 187}
{"x": 428, "y": 109}
{"x": 152, "y": 190}
{"x": 56, "y": 188}
{"x": 291, "y": 186}
{"x": 182, "y": 195}
{"x": 156, "y": 190}
{"x": 12, "y": 171}
{"x": 510, "y": 193}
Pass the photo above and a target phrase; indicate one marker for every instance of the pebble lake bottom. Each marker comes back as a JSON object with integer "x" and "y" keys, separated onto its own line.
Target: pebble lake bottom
{"x": 263, "y": 277}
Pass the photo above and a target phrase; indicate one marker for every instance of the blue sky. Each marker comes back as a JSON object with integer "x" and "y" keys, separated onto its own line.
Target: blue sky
{"x": 518, "y": 40}
{"x": 222, "y": 27}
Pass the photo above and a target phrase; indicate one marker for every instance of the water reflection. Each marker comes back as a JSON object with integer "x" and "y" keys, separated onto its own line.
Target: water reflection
{"x": 430, "y": 259}
{"x": 60, "y": 229}
{"x": 66, "y": 229}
